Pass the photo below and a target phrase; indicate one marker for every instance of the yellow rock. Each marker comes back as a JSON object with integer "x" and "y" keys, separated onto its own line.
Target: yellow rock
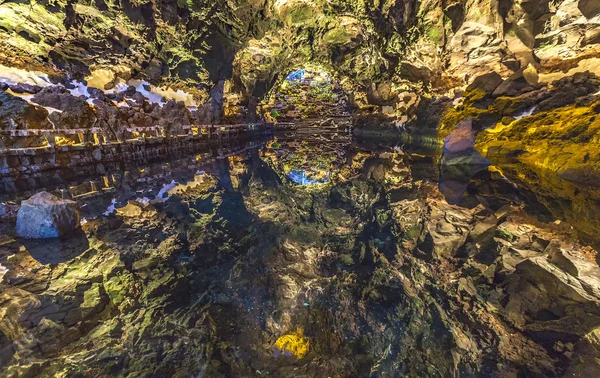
{"x": 293, "y": 343}
{"x": 132, "y": 209}
{"x": 100, "y": 78}
{"x": 531, "y": 75}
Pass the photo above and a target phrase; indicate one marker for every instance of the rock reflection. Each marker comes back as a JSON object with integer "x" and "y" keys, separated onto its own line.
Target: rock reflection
{"x": 388, "y": 268}
{"x": 57, "y": 250}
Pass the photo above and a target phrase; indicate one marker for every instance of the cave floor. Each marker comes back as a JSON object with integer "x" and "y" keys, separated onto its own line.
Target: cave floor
{"x": 307, "y": 256}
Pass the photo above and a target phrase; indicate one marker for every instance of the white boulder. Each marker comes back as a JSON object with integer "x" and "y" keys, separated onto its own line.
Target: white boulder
{"x": 47, "y": 216}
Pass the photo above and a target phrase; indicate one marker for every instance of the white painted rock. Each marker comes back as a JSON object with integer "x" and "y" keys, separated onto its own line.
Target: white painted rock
{"x": 47, "y": 216}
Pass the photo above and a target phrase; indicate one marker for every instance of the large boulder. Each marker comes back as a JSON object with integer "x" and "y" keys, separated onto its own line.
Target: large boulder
{"x": 47, "y": 216}
{"x": 446, "y": 229}
{"x": 589, "y": 8}
{"x": 515, "y": 85}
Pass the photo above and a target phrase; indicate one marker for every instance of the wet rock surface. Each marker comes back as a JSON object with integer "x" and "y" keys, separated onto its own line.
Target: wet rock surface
{"x": 242, "y": 272}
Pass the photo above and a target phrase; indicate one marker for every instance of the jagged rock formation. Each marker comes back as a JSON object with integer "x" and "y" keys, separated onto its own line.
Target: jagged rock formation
{"x": 380, "y": 52}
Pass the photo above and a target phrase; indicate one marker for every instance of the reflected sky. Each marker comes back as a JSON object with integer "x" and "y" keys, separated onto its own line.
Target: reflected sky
{"x": 301, "y": 177}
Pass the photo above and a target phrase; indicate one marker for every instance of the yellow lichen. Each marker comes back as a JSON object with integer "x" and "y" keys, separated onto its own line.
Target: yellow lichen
{"x": 507, "y": 105}
{"x": 554, "y": 154}
{"x": 456, "y": 114}
{"x": 293, "y": 343}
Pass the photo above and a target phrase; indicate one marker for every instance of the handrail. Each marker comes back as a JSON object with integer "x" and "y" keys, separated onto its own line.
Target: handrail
{"x": 98, "y": 136}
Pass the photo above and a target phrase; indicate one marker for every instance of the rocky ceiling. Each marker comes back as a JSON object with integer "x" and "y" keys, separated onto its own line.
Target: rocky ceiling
{"x": 375, "y": 48}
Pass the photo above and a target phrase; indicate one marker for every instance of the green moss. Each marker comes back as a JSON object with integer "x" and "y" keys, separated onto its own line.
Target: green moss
{"x": 100, "y": 20}
{"x": 338, "y": 35}
{"x": 564, "y": 140}
{"x": 107, "y": 328}
{"x": 569, "y": 127}
{"x": 547, "y": 43}
{"x": 92, "y": 297}
{"x": 26, "y": 27}
{"x": 555, "y": 155}
{"x": 302, "y": 14}
{"x": 26, "y": 46}
{"x": 435, "y": 34}
{"x": 454, "y": 115}
{"x": 347, "y": 260}
{"x": 502, "y": 234}
{"x": 413, "y": 233}
{"x": 119, "y": 288}
{"x": 474, "y": 95}
{"x": 32, "y": 19}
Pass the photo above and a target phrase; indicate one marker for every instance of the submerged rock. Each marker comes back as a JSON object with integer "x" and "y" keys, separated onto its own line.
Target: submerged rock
{"x": 47, "y": 216}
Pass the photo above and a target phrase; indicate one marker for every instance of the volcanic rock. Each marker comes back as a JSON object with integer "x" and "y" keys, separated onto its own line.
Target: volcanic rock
{"x": 25, "y": 88}
{"x": 75, "y": 111}
{"x": 18, "y": 114}
{"x": 486, "y": 83}
{"x": 46, "y": 216}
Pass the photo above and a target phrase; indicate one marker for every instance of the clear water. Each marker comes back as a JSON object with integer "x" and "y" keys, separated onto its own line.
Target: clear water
{"x": 240, "y": 266}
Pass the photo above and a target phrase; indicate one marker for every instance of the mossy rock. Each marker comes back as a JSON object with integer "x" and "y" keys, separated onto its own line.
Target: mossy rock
{"x": 435, "y": 34}
{"x": 337, "y": 36}
{"x": 510, "y": 105}
{"x": 482, "y": 118}
{"x": 555, "y": 154}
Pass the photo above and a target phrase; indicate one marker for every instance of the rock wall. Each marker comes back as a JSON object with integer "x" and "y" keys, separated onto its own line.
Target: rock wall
{"x": 384, "y": 53}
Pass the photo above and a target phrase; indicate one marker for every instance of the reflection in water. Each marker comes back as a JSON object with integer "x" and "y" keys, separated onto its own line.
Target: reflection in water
{"x": 454, "y": 180}
{"x": 58, "y": 250}
{"x": 226, "y": 267}
{"x": 303, "y": 177}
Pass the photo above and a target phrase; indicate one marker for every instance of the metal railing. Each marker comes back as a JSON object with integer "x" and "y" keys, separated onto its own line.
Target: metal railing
{"x": 96, "y": 136}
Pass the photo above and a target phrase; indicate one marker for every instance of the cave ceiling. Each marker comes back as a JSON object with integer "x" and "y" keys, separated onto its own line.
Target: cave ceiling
{"x": 375, "y": 46}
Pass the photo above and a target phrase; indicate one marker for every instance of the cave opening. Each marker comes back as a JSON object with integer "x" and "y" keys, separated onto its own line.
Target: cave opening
{"x": 307, "y": 97}
{"x": 310, "y": 108}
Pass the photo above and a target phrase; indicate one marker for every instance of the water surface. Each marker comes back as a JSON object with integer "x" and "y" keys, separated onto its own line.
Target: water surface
{"x": 297, "y": 256}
